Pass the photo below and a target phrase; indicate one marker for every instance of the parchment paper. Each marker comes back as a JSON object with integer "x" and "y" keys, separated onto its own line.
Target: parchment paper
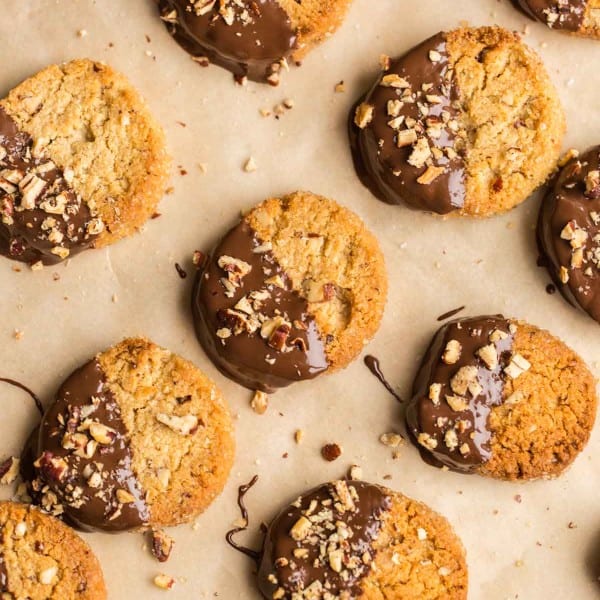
{"x": 523, "y": 549}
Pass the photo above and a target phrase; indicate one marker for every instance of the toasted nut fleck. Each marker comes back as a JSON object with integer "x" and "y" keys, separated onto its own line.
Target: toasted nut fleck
{"x": 462, "y": 379}
{"x": 20, "y": 529}
{"x": 394, "y": 81}
{"x": 164, "y": 582}
{"x": 9, "y": 470}
{"x": 125, "y": 497}
{"x": 300, "y": 529}
{"x": 355, "y": 472}
{"x": 47, "y": 575}
{"x": 335, "y": 560}
{"x": 162, "y": 545}
{"x": 298, "y": 435}
{"x": 435, "y": 390}
{"x": 363, "y": 115}
{"x": 489, "y": 356}
{"x": 451, "y": 439}
{"x": 250, "y": 165}
{"x": 392, "y": 440}
{"x": 427, "y": 441}
{"x": 102, "y": 434}
{"x": 184, "y": 425}
{"x": 343, "y": 492}
{"x": 517, "y": 366}
{"x": 260, "y": 402}
{"x": 421, "y": 533}
{"x": 452, "y": 352}
{"x": 457, "y": 403}
{"x": 564, "y": 275}
{"x": 430, "y": 175}
{"x": 498, "y": 335}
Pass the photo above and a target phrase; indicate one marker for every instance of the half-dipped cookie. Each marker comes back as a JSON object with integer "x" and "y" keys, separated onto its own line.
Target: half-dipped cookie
{"x": 569, "y": 232}
{"x": 293, "y": 290}
{"x": 351, "y": 539}
{"x": 136, "y": 437}
{"x": 501, "y": 398}
{"x": 580, "y": 17}
{"x": 43, "y": 559}
{"x": 466, "y": 123}
{"x": 82, "y": 162}
{"x": 251, "y": 38}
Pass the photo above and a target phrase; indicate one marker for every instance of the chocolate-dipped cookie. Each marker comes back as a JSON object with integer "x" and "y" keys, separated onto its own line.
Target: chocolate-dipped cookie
{"x": 136, "y": 437}
{"x": 293, "y": 290}
{"x": 355, "y": 540}
{"x": 82, "y": 162}
{"x": 501, "y": 398}
{"x": 43, "y": 559}
{"x": 251, "y": 38}
{"x": 466, "y": 123}
{"x": 580, "y": 17}
{"x": 568, "y": 232}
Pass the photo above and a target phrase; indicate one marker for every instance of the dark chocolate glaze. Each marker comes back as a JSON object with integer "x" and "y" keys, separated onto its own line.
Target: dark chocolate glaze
{"x": 85, "y": 398}
{"x": 242, "y": 491}
{"x": 567, "y": 15}
{"x": 248, "y": 358}
{"x": 570, "y": 202}
{"x": 260, "y": 35}
{"x": 29, "y": 233}
{"x": 372, "y": 363}
{"x": 18, "y": 384}
{"x": 294, "y": 574}
{"x": 381, "y": 165}
{"x": 423, "y": 416}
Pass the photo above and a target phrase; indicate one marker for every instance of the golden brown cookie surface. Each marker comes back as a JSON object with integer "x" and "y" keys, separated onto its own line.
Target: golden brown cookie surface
{"x": 43, "y": 559}
{"x": 136, "y": 437}
{"x": 83, "y": 162}
{"x": 295, "y": 289}
{"x": 468, "y": 123}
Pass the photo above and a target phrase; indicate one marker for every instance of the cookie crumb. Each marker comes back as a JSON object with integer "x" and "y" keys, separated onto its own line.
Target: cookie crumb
{"x": 162, "y": 545}
{"x": 260, "y": 402}
{"x": 250, "y": 165}
{"x": 331, "y": 452}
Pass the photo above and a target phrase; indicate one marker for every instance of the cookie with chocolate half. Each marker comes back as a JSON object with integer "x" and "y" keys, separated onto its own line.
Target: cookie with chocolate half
{"x": 294, "y": 290}
{"x": 43, "y": 559}
{"x": 351, "y": 539}
{"x": 501, "y": 398}
{"x": 82, "y": 162}
{"x": 466, "y": 123}
{"x": 568, "y": 232}
{"x": 251, "y": 38}
{"x": 580, "y": 17}
{"x": 136, "y": 437}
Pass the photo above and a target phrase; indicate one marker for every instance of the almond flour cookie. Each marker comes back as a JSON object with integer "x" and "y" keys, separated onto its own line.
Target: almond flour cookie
{"x": 295, "y": 289}
{"x": 43, "y": 559}
{"x": 501, "y": 398}
{"x": 82, "y": 162}
{"x": 251, "y": 38}
{"x": 468, "y": 123}
{"x": 136, "y": 437}
{"x": 569, "y": 232}
{"x": 581, "y": 17}
{"x": 350, "y": 539}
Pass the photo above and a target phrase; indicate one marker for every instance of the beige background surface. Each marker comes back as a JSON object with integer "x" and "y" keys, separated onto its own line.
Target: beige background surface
{"x": 515, "y": 550}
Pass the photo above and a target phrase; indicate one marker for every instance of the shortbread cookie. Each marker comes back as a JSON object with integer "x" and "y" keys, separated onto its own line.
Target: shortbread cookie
{"x": 468, "y": 122}
{"x": 136, "y": 437}
{"x": 82, "y": 162}
{"x": 501, "y": 398}
{"x": 581, "y": 17}
{"x": 569, "y": 232}
{"x": 253, "y": 38}
{"x": 350, "y": 539}
{"x": 43, "y": 559}
{"x": 295, "y": 289}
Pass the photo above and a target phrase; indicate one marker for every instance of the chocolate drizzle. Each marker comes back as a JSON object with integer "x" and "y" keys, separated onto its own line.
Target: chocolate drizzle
{"x": 454, "y": 395}
{"x": 248, "y": 38}
{"x": 567, "y": 15}
{"x": 428, "y": 106}
{"x": 242, "y": 491}
{"x": 17, "y": 384}
{"x": 345, "y": 518}
{"x": 253, "y": 326}
{"x": 450, "y": 313}
{"x": 372, "y": 363}
{"x": 41, "y": 217}
{"x": 568, "y": 232}
{"x": 84, "y": 457}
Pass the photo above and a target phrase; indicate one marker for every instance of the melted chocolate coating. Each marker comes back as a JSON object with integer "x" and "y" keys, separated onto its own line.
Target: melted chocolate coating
{"x": 567, "y": 15}
{"x": 324, "y": 508}
{"x": 573, "y": 201}
{"x": 89, "y": 501}
{"x": 381, "y": 165}
{"x": 247, "y": 357}
{"x": 259, "y": 34}
{"x": 29, "y": 231}
{"x": 434, "y": 419}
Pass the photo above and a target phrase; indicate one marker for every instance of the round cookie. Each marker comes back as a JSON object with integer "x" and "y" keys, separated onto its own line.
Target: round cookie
{"x": 580, "y": 17}
{"x": 466, "y": 123}
{"x": 43, "y": 559}
{"x": 82, "y": 162}
{"x": 136, "y": 437}
{"x": 350, "y": 539}
{"x": 501, "y": 398}
{"x": 251, "y": 38}
{"x": 568, "y": 232}
{"x": 293, "y": 290}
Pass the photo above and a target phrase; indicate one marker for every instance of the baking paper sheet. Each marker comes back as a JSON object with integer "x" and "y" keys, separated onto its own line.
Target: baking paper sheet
{"x": 518, "y": 538}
